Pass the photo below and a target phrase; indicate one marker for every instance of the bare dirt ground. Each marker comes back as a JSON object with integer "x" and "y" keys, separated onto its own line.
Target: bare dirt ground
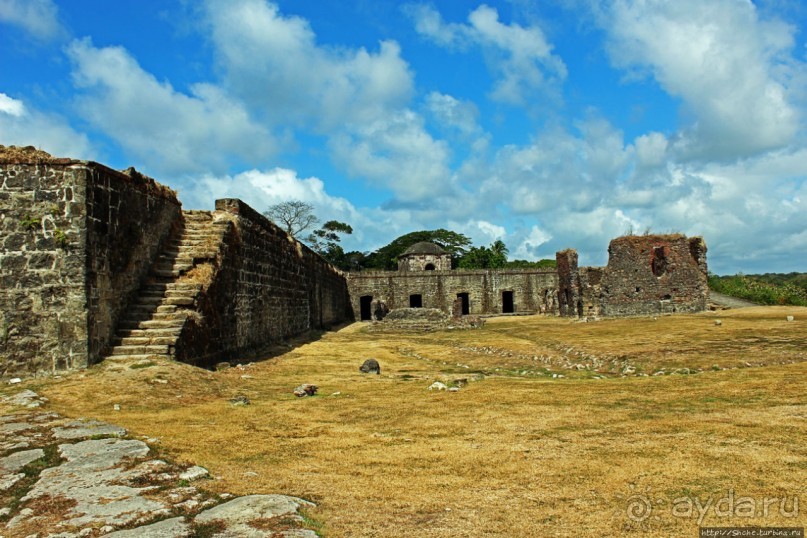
{"x": 638, "y": 427}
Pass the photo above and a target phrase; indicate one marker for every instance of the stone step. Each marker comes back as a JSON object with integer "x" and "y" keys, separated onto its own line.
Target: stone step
{"x": 156, "y": 316}
{"x": 148, "y": 300}
{"x": 191, "y": 215}
{"x": 182, "y": 293}
{"x": 167, "y": 266}
{"x": 152, "y": 324}
{"x": 149, "y": 333}
{"x": 141, "y": 350}
{"x": 165, "y": 273}
{"x": 179, "y": 301}
{"x": 127, "y": 357}
{"x": 145, "y": 341}
{"x": 142, "y": 309}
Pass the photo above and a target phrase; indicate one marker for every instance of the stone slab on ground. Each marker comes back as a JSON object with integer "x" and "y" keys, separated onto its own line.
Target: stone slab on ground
{"x": 175, "y": 527}
{"x": 99, "y": 481}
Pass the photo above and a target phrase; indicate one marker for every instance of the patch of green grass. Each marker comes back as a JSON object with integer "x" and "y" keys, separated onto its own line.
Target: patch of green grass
{"x": 30, "y": 223}
{"x": 141, "y": 365}
{"x": 311, "y": 523}
{"x": 60, "y": 238}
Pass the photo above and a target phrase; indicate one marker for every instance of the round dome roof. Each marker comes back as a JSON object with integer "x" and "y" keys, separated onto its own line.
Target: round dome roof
{"x": 424, "y": 247}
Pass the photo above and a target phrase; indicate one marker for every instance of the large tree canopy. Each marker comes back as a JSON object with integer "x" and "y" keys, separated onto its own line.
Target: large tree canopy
{"x": 325, "y": 241}
{"x": 293, "y": 216}
{"x": 386, "y": 257}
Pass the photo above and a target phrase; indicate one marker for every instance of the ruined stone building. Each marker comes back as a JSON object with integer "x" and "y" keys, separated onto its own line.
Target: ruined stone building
{"x": 97, "y": 262}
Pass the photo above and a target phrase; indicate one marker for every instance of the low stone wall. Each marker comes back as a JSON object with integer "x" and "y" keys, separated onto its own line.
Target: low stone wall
{"x": 76, "y": 239}
{"x": 267, "y": 287}
{"x": 530, "y": 290}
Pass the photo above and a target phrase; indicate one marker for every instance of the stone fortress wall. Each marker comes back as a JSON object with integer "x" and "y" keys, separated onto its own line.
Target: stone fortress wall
{"x": 266, "y": 287}
{"x": 76, "y": 239}
{"x": 79, "y": 242}
{"x": 86, "y": 249}
{"x": 478, "y": 291}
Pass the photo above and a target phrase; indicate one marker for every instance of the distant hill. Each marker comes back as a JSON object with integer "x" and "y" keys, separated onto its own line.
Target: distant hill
{"x": 768, "y": 288}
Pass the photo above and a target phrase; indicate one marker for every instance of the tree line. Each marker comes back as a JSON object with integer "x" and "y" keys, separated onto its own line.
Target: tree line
{"x": 296, "y": 217}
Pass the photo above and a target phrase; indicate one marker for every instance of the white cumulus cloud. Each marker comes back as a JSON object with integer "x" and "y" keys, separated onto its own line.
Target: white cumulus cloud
{"x": 520, "y": 58}
{"x": 40, "y": 18}
{"x": 734, "y": 70}
{"x": 21, "y": 125}
{"x": 171, "y": 131}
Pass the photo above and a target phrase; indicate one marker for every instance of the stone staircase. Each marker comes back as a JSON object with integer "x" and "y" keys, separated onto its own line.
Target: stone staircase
{"x": 153, "y": 322}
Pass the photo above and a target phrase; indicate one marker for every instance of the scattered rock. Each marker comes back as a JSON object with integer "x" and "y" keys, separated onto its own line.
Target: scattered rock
{"x": 718, "y": 322}
{"x": 84, "y": 429}
{"x": 222, "y": 366}
{"x": 14, "y": 381}
{"x": 26, "y": 398}
{"x": 17, "y": 460}
{"x": 240, "y": 512}
{"x": 370, "y": 366}
{"x": 790, "y": 318}
{"x": 7, "y": 481}
{"x": 438, "y": 386}
{"x": 174, "y": 527}
{"x": 454, "y": 389}
{"x": 461, "y": 381}
{"x": 116, "y": 407}
{"x": 306, "y": 389}
{"x": 194, "y": 473}
{"x": 239, "y": 400}
{"x": 159, "y": 381}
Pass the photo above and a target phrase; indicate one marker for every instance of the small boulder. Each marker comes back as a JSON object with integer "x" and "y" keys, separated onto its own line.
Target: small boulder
{"x": 718, "y": 322}
{"x": 370, "y": 366}
{"x": 306, "y": 389}
{"x": 194, "y": 473}
{"x": 222, "y": 366}
{"x": 239, "y": 400}
{"x": 790, "y": 318}
{"x": 438, "y": 386}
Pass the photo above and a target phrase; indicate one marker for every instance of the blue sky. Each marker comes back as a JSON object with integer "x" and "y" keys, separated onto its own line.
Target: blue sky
{"x": 549, "y": 124}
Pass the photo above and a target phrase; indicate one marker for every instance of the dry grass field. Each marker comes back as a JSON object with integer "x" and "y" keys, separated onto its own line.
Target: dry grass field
{"x": 562, "y": 429}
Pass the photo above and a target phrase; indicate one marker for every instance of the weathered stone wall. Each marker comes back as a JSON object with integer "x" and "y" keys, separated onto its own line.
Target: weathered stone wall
{"x": 128, "y": 218}
{"x": 569, "y": 300}
{"x": 532, "y": 290}
{"x": 655, "y": 274}
{"x": 42, "y": 264}
{"x": 267, "y": 287}
{"x": 77, "y": 240}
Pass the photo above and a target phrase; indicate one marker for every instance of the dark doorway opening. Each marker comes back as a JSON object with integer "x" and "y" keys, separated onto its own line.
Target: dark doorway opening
{"x": 466, "y": 303}
{"x": 507, "y": 302}
{"x": 365, "y": 305}
{"x": 429, "y": 267}
{"x": 415, "y": 301}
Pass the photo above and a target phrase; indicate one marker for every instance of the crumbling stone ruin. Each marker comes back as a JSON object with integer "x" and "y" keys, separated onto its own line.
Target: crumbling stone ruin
{"x": 96, "y": 262}
{"x": 645, "y": 275}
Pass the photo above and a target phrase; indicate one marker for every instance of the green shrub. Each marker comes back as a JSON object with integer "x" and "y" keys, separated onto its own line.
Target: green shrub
{"x": 759, "y": 289}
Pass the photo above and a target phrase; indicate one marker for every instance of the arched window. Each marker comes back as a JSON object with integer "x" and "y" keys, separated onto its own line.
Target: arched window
{"x": 429, "y": 267}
